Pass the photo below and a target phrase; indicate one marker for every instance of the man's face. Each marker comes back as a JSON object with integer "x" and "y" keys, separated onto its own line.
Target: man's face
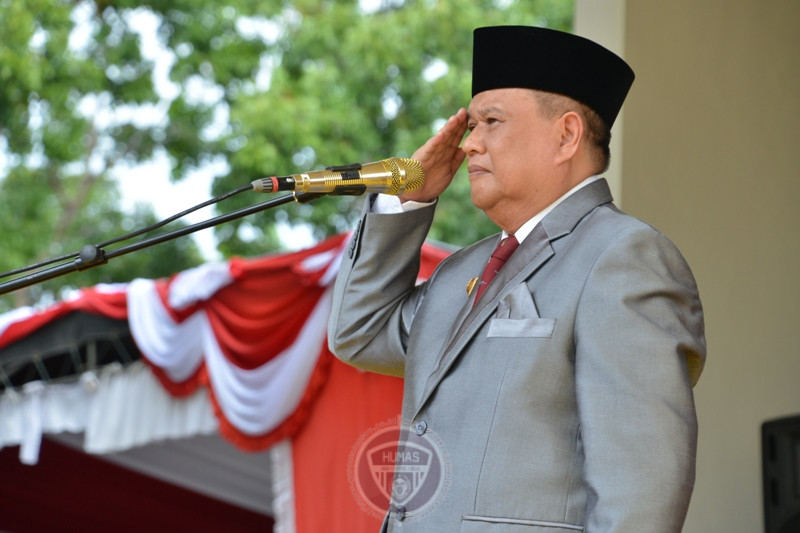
{"x": 511, "y": 151}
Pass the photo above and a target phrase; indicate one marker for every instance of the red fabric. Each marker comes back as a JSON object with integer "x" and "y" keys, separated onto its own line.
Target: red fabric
{"x": 260, "y": 315}
{"x": 70, "y": 491}
{"x": 352, "y": 403}
{"x": 179, "y": 389}
{"x": 110, "y": 304}
{"x": 254, "y": 319}
{"x": 431, "y": 257}
{"x": 292, "y": 424}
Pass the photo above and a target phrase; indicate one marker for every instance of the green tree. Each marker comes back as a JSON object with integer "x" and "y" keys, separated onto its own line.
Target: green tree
{"x": 56, "y": 193}
{"x": 349, "y": 86}
{"x": 267, "y": 87}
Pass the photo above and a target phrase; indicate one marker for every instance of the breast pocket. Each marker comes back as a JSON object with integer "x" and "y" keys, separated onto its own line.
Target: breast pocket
{"x": 522, "y": 327}
{"x": 517, "y": 316}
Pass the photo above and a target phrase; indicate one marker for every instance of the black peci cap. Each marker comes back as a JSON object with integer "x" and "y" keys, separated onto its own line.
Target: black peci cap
{"x": 552, "y": 61}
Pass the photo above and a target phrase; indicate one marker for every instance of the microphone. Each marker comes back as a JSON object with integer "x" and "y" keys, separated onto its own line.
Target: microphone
{"x": 389, "y": 176}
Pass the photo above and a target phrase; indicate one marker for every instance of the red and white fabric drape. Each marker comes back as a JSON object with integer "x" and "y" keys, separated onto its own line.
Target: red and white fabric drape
{"x": 252, "y": 331}
{"x": 250, "y": 336}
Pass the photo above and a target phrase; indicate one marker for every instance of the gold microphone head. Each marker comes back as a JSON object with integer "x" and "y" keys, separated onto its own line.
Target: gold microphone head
{"x": 414, "y": 175}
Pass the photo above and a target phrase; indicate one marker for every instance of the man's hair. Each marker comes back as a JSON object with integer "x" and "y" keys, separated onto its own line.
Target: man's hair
{"x": 598, "y": 135}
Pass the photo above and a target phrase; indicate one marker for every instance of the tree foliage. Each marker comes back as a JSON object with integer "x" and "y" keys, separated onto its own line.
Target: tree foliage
{"x": 56, "y": 189}
{"x": 348, "y": 87}
{"x": 267, "y": 87}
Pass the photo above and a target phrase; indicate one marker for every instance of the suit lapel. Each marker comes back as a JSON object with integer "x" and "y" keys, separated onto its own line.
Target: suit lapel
{"x": 530, "y": 255}
{"x": 534, "y": 252}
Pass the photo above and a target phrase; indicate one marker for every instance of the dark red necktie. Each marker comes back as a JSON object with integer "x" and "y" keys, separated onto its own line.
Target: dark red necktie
{"x": 498, "y": 259}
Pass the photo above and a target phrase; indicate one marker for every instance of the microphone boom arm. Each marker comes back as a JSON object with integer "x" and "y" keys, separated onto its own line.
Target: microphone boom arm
{"x": 91, "y": 255}
{"x": 388, "y": 176}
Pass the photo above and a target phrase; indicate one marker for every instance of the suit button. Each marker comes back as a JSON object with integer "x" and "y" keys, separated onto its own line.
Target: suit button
{"x": 400, "y": 511}
{"x": 420, "y": 427}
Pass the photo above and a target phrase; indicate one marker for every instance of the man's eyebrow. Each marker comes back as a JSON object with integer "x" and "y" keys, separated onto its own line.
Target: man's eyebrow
{"x": 483, "y": 111}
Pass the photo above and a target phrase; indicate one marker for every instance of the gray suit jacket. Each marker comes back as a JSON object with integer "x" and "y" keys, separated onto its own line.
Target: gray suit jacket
{"x": 563, "y": 399}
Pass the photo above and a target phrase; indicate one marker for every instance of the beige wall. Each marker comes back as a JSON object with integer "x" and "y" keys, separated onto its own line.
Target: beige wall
{"x": 711, "y": 156}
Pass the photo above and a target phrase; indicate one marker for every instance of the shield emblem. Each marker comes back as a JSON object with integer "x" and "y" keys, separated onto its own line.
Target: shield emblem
{"x": 399, "y": 471}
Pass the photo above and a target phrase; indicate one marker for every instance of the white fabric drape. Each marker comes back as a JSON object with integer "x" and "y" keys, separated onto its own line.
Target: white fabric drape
{"x": 255, "y": 400}
{"x": 116, "y": 408}
{"x": 283, "y": 503}
{"x": 175, "y": 348}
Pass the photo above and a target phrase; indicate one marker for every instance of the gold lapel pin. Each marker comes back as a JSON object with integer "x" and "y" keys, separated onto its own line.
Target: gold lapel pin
{"x": 471, "y": 285}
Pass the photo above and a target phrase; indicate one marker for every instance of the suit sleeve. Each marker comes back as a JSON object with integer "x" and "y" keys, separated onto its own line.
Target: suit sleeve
{"x": 375, "y": 295}
{"x": 639, "y": 348}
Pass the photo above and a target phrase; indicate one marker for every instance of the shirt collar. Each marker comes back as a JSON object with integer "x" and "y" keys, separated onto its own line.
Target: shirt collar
{"x": 528, "y": 226}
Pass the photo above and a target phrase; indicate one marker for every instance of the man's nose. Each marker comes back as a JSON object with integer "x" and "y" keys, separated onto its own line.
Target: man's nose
{"x": 473, "y": 143}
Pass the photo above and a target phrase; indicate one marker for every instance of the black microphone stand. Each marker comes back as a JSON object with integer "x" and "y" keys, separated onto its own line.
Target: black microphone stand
{"x": 92, "y": 255}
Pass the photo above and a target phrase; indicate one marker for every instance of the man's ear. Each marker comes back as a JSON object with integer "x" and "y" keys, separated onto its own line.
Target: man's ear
{"x": 571, "y": 130}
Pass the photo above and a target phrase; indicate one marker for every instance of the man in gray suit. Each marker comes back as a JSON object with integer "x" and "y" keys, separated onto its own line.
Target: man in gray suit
{"x": 561, "y": 395}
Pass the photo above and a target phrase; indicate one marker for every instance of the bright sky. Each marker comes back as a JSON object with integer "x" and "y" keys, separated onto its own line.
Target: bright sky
{"x": 149, "y": 182}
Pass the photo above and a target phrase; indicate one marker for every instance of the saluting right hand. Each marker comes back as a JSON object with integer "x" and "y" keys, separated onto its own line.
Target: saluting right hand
{"x": 440, "y": 156}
